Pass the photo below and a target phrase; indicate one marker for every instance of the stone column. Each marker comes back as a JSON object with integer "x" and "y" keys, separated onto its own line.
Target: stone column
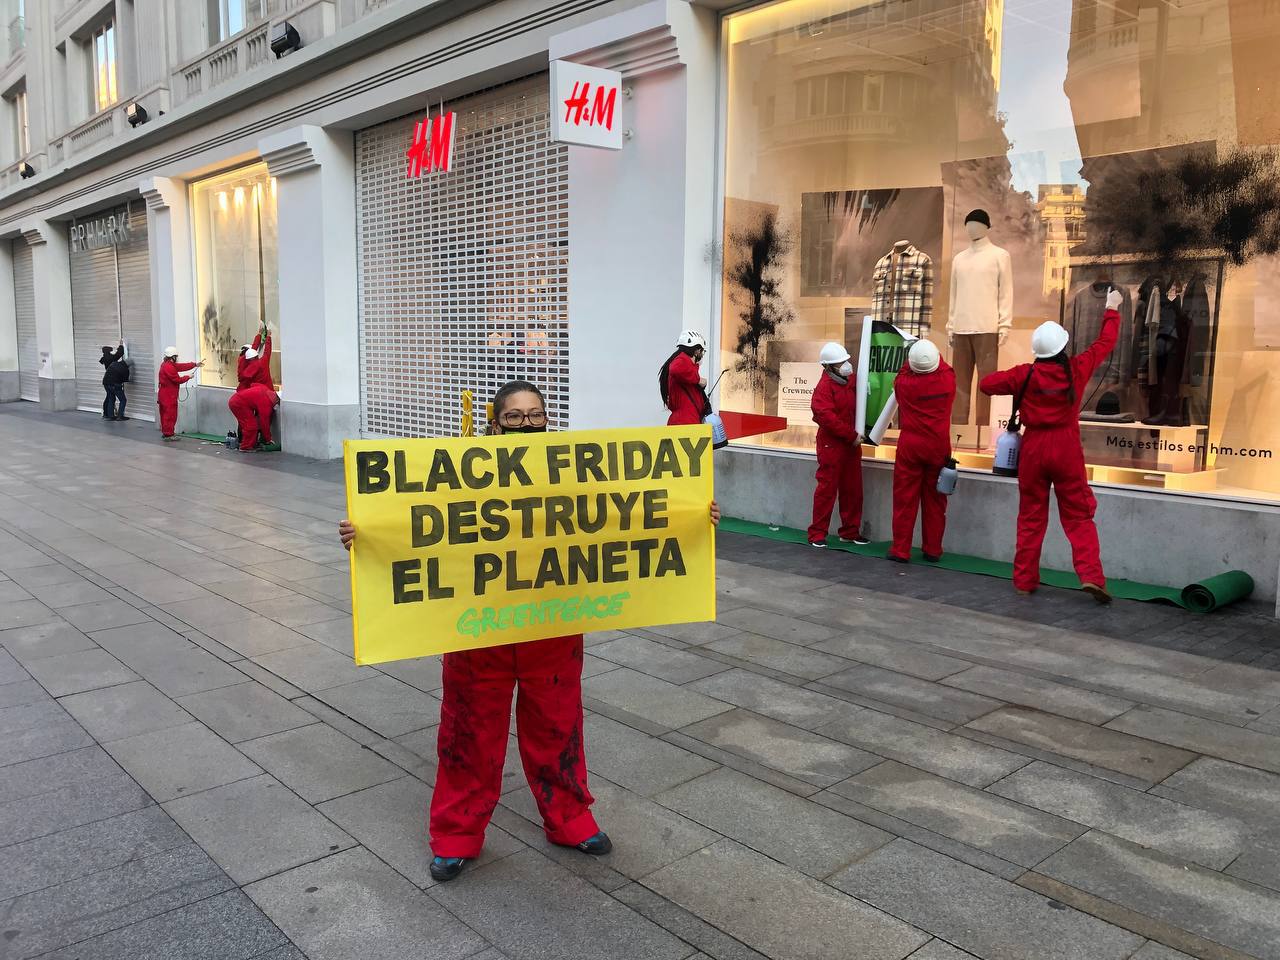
{"x": 51, "y": 274}
{"x": 172, "y": 298}
{"x": 8, "y": 328}
{"x": 319, "y": 331}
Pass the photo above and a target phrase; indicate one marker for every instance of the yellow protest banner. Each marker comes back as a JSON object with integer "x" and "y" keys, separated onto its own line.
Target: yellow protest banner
{"x": 476, "y": 542}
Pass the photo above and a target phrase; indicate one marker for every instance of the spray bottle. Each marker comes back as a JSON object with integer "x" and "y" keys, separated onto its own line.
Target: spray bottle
{"x": 1007, "y": 449}
{"x": 947, "y": 477}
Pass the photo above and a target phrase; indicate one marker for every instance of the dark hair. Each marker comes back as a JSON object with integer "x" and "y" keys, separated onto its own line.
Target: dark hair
{"x": 511, "y": 389}
{"x": 1061, "y": 359}
{"x": 664, "y": 375}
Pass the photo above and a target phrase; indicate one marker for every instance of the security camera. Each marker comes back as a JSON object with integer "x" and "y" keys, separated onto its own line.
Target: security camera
{"x": 26, "y": 171}
{"x": 136, "y": 113}
{"x": 284, "y": 38}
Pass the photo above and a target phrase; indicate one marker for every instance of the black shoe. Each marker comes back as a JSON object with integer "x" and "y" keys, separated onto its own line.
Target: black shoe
{"x": 105, "y": 417}
{"x": 933, "y": 558}
{"x": 596, "y": 846}
{"x": 858, "y": 540}
{"x": 445, "y": 869}
{"x": 897, "y": 559}
{"x": 122, "y": 418}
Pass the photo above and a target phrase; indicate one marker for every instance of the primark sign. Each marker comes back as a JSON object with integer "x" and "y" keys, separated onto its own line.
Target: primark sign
{"x": 106, "y": 231}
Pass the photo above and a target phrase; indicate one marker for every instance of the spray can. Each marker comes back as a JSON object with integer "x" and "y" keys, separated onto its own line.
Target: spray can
{"x": 718, "y": 437}
{"x": 947, "y": 477}
{"x": 1007, "y": 449}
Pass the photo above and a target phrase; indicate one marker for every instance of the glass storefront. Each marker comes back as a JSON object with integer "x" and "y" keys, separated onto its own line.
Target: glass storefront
{"x": 237, "y": 275}
{"x": 1131, "y": 143}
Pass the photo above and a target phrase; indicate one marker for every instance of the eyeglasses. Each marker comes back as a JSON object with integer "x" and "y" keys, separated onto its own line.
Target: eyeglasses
{"x": 514, "y": 418}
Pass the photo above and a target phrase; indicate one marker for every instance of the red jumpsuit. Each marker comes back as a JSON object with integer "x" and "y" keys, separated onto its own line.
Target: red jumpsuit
{"x": 472, "y": 742}
{"x": 167, "y": 395}
{"x": 924, "y": 445}
{"x": 685, "y": 398}
{"x": 252, "y": 407}
{"x": 839, "y": 459}
{"x": 257, "y": 370}
{"x": 1051, "y": 455}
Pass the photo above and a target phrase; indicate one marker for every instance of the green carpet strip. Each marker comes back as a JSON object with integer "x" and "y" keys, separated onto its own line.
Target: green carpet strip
{"x": 1202, "y": 597}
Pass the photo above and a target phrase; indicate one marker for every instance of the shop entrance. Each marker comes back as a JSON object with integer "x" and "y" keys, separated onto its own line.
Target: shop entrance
{"x": 110, "y": 299}
{"x": 24, "y": 302}
{"x": 464, "y": 273}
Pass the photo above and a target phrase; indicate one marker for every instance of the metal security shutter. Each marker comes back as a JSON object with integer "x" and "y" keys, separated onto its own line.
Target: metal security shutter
{"x": 94, "y": 320}
{"x": 463, "y": 275}
{"x": 24, "y": 296}
{"x": 133, "y": 271}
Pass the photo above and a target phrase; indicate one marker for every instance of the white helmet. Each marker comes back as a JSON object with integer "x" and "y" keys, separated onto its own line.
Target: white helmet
{"x": 1049, "y": 340}
{"x": 171, "y": 352}
{"x": 833, "y": 353}
{"x": 923, "y": 356}
{"x": 692, "y": 338}
{"x": 251, "y": 354}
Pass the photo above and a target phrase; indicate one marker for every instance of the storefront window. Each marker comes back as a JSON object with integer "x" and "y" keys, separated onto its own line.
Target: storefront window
{"x": 237, "y": 289}
{"x": 1130, "y": 144}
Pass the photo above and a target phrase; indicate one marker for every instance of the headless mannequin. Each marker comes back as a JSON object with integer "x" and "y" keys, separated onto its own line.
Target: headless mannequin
{"x": 981, "y": 315}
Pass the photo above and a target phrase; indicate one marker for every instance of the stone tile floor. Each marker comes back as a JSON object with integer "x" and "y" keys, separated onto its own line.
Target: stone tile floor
{"x": 857, "y": 761}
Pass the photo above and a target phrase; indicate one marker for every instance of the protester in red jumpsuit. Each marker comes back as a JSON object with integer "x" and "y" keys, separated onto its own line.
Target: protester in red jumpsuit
{"x": 925, "y": 388}
{"x": 255, "y": 398}
{"x": 1051, "y": 454}
{"x": 681, "y": 384}
{"x": 839, "y": 450}
{"x": 476, "y": 714}
{"x": 169, "y": 377}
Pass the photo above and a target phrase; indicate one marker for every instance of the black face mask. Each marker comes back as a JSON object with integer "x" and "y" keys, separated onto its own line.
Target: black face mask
{"x": 525, "y": 428}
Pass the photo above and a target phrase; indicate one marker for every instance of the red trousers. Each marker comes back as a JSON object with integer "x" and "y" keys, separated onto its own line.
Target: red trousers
{"x": 915, "y": 489}
{"x": 1055, "y": 457}
{"x": 839, "y": 472}
{"x": 252, "y": 409}
{"x": 168, "y": 414}
{"x": 472, "y": 742}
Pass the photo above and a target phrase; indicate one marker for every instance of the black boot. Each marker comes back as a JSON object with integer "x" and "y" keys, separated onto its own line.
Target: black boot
{"x": 445, "y": 869}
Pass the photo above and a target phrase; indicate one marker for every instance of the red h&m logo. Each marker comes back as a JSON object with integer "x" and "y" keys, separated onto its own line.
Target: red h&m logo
{"x": 581, "y": 109}
{"x": 432, "y": 147}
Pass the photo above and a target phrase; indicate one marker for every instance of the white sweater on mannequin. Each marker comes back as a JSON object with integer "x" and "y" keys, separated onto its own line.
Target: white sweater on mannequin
{"x": 981, "y": 290}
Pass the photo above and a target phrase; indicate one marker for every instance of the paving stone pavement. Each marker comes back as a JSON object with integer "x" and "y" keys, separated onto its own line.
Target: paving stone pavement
{"x": 856, "y": 760}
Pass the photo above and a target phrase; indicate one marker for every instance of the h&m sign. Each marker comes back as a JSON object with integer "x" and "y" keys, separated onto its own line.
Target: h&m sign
{"x": 432, "y": 146}
{"x": 109, "y": 230}
{"x": 584, "y": 105}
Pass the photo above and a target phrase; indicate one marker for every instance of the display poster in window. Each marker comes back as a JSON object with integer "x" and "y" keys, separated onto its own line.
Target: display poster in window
{"x": 796, "y": 383}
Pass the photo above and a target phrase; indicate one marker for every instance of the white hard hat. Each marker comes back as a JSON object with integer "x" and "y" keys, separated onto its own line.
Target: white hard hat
{"x": 692, "y": 338}
{"x": 171, "y": 351}
{"x": 923, "y": 356}
{"x": 251, "y": 354}
{"x": 833, "y": 353}
{"x": 1049, "y": 340}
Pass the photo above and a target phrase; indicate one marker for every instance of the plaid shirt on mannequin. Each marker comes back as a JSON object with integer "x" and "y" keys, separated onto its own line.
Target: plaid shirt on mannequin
{"x": 902, "y": 292}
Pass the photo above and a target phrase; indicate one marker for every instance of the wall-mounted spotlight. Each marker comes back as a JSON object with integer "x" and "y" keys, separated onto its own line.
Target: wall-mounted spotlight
{"x": 284, "y": 38}
{"x": 26, "y": 171}
{"x": 136, "y": 113}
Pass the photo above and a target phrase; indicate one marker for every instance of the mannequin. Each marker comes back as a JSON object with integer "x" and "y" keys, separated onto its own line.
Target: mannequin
{"x": 902, "y": 291}
{"x": 981, "y": 313}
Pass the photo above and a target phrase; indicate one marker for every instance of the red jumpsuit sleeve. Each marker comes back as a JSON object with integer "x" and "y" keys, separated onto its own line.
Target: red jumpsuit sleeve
{"x": 265, "y": 354}
{"x": 826, "y": 412}
{"x": 181, "y": 379}
{"x": 184, "y": 366}
{"x": 1086, "y": 361}
{"x": 1003, "y": 382}
{"x": 684, "y": 370}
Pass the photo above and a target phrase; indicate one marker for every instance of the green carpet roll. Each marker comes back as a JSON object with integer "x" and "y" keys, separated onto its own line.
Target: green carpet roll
{"x": 1214, "y": 592}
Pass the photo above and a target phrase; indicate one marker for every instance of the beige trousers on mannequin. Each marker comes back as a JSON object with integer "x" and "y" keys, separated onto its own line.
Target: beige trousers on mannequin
{"x": 970, "y": 352}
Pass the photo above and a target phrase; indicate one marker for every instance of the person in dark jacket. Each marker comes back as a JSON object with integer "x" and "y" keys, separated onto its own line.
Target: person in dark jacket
{"x": 115, "y": 376}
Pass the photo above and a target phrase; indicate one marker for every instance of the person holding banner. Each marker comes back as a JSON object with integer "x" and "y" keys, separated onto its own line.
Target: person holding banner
{"x": 839, "y": 450}
{"x": 475, "y": 715}
{"x": 925, "y": 389}
{"x": 681, "y": 384}
{"x": 1047, "y": 397}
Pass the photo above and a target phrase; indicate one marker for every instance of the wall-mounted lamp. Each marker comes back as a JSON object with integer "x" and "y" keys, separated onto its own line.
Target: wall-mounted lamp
{"x": 26, "y": 171}
{"x": 136, "y": 113}
{"x": 284, "y": 38}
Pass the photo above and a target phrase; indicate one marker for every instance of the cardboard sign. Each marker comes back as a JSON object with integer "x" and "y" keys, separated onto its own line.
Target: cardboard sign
{"x": 584, "y": 105}
{"x": 478, "y": 542}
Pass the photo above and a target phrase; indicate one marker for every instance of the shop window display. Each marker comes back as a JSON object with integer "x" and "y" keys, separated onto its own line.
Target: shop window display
{"x": 963, "y": 170}
{"x": 237, "y": 279}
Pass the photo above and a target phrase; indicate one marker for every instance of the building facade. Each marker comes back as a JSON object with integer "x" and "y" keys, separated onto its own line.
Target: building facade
{"x": 166, "y": 178}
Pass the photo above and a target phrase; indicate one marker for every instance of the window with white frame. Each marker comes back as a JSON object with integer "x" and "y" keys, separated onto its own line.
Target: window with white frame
{"x": 104, "y": 66}
{"x": 234, "y": 15}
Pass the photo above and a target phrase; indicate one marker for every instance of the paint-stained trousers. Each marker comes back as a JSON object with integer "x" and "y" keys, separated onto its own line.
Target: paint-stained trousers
{"x": 472, "y": 742}
{"x": 1054, "y": 458}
